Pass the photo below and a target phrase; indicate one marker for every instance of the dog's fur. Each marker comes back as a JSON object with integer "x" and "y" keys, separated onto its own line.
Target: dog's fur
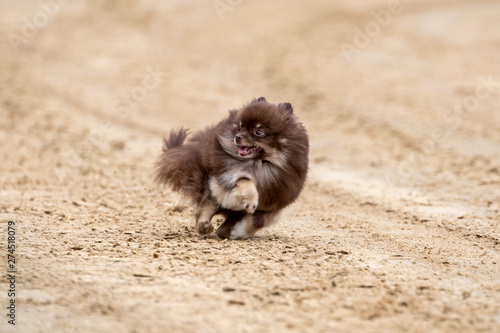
{"x": 248, "y": 167}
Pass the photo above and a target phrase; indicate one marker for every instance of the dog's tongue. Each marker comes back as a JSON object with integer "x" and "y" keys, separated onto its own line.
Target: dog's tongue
{"x": 244, "y": 150}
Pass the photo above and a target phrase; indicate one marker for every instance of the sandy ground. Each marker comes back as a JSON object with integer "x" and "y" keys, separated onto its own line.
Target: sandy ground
{"x": 397, "y": 229}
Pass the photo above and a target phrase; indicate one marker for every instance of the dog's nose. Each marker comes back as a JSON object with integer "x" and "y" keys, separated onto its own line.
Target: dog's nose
{"x": 237, "y": 138}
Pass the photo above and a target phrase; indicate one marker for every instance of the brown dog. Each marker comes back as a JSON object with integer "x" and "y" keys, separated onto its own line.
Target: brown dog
{"x": 248, "y": 167}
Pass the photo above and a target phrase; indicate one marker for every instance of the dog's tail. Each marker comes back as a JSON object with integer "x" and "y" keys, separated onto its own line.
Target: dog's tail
{"x": 179, "y": 164}
{"x": 172, "y": 158}
{"x": 175, "y": 139}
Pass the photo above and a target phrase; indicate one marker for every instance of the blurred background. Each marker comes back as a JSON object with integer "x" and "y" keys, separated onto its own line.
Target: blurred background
{"x": 400, "y": 99}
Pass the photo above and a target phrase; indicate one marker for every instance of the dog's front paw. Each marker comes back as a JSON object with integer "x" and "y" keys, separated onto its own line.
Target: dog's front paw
{"x": 247, "y": 195}
{"x": 250, "y": 205}
{"x": 204, "y": 228}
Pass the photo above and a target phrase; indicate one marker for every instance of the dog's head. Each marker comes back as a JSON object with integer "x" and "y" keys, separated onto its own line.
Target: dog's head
{"x": 261, "y": 130}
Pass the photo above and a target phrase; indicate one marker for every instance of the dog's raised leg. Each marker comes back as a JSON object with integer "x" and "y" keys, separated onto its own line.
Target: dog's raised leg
{"x": 243, "y": 196}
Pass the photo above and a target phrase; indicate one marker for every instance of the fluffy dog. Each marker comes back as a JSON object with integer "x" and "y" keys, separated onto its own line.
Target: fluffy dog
{"x": 248, "y": 167}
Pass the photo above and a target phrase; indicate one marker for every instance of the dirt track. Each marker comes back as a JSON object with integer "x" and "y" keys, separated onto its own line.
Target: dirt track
{"x": 396, "y": 231}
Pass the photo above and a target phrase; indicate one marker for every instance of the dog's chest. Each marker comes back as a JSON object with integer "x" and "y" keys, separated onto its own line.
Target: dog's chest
{"x": 265, "y": 173}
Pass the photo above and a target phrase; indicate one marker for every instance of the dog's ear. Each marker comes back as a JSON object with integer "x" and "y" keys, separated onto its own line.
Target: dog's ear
{"x": 233, "y": 114}
{"x": 257, "y": 100}
{"x": 286, "y": 107}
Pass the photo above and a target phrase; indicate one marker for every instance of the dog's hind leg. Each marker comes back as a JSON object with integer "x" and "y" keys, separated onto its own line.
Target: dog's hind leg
{"x": 232, "y": 218}
{"x": 241, "y": 226}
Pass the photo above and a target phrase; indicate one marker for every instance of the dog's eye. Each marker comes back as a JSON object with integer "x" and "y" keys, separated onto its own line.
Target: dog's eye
{"x": 259, "y": 133}
{"x": 239, "y": 128}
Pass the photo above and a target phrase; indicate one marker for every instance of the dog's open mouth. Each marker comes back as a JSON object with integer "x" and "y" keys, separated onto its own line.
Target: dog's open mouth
{"x": 246, "y": 150}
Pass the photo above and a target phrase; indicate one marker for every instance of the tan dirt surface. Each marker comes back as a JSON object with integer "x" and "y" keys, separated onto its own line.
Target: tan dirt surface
{"x": 397, "y": 229}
